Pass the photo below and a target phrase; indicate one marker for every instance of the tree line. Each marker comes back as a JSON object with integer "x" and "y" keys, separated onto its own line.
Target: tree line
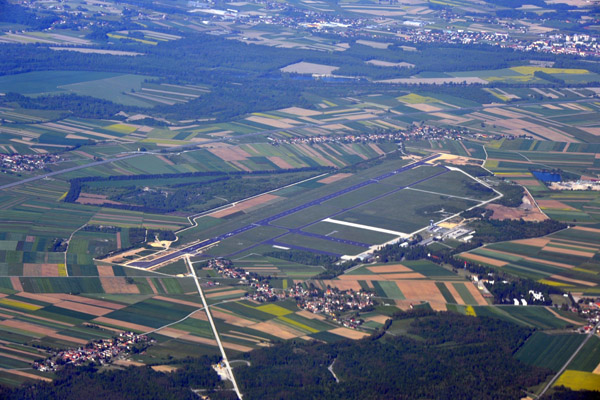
{"x": 76, "y": 184}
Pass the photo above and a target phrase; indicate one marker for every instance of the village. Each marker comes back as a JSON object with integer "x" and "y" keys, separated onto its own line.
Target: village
{"x": 102, "y": 351}
{"x": 26, "y": 162}
{"x": 414, "y": 132}
{"x": 588, "y": 308}
{"x": 333, "y": 303}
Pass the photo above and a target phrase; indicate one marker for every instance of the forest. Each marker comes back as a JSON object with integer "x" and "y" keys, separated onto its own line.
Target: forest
{"x": 194, "y": 196}
{"x": 245, "y": 78}
{"x": 456, "y": 357}
{"x": 131, "y": 383}
{"x": 491, "y": 230}
{"x": 15, "y": 13}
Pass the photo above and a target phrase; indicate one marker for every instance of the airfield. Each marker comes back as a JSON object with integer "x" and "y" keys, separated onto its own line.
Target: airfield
{"x": 345, "y": 213}
{"x": 58, "y": 288}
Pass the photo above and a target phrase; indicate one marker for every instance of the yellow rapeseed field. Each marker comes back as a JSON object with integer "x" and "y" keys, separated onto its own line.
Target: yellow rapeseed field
{"x": 274, "y": 309}
{"x": 19, "y": 304}
{"x": 579, "y": 380}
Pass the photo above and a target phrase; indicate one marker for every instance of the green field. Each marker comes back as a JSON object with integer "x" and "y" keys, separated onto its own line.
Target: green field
{"x": 549, "y": 351}
{"x": 301, "y": 241}
{"x": 588, "y": 357}
{"x": 446, "y": 293}
{"x": 418, "y": 208}
{"x": 429, "y": 269}
{"x": 467, "y": 297}
{"x": 533, "y": 317}
{"x": 456, "y": 184}
{"x": 387, "y": 289}
{"x": 104, "y": 85}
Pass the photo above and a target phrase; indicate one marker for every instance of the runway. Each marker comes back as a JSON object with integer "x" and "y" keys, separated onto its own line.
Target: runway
{"x": 267, "y": 221}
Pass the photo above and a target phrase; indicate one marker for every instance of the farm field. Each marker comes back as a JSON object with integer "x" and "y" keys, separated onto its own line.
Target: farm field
{"x": 542, "y": 318}
{"x": 579, "y": 380}
{"x": 549, "y": 350}
{"x": 315, "y": 131}
{"x": 339, "y": 117}
{"x": 526, "y": 74}
{"x": 410, "y": 283}
{"x": 520, "y": 160}
{"x": 564, "y": 259}
{"x": 176, "y": 321}
{"x": 98, "y": 84}
{"x": 588, "y": 358}
{"x": 276, "y": 267}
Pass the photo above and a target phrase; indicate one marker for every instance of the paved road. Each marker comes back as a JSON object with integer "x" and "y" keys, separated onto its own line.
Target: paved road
{"x": 214, "y": 329}
{"x": 589, "y": 335}
{"x": 266, "y": 221}
{"x": 330, "y": 368}
{"x": 62, "y": 171}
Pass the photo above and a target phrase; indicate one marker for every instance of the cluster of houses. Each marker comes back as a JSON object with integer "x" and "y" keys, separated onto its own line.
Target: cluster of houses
{"x": 263, "y": 292}
{"x": 101, "y": 351}
{"x": 422, "y": 132}
{"x": 333, "y": 302}
{"x": 582, "y": 45}
{"x": 506, "y": 33}
{"x": 26, "y": 162}
{"x": 348, "y": 138}
{"x": 226, "y": 269}
{"x": 590, "y": 310}
{"x": 452, "y": 36}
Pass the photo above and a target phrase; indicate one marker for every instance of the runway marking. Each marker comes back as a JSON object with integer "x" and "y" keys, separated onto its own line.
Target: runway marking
{"x": 367, "y": 227}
